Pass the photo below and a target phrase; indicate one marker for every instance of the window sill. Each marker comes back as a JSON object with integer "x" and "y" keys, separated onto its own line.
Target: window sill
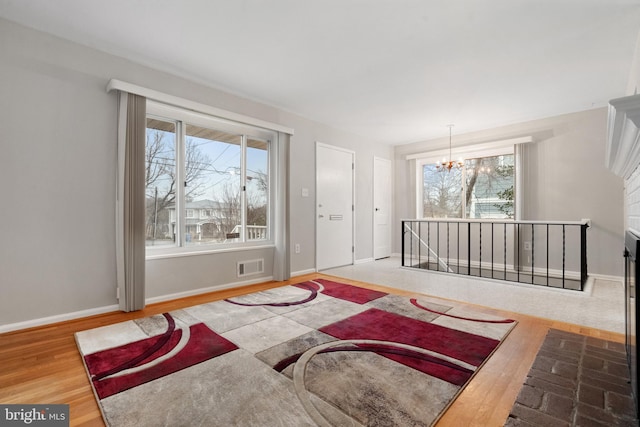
{"x": 185, "y": 252}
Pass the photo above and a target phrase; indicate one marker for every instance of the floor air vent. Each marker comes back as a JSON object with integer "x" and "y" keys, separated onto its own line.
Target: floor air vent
{"x": 247, "y": 268}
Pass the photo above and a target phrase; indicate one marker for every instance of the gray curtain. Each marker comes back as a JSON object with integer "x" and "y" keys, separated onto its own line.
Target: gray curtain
{"x": 281, "y": 258}
{"x": 130, "y": 201}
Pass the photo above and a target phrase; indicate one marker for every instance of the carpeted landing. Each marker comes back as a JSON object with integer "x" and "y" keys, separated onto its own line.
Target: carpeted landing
{"x": 576, "y": 380}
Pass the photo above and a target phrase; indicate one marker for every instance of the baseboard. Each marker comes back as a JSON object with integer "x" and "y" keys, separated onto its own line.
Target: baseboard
{"x": 363, "y": 261}
{"x": 303, "y": 272}
{"x": 57, "y": 318}
{"x": 200, "y": 291}
{"x": 607, "y": 277}
{"x": 111, "y": 308}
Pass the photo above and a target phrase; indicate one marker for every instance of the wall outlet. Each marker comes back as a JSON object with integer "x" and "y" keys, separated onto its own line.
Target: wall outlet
{"x": 527, "y": 246}
{"x": 297, "y": 248}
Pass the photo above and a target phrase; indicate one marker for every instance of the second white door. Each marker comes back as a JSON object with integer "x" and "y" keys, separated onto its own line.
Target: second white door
{"x": 382, "y": 208}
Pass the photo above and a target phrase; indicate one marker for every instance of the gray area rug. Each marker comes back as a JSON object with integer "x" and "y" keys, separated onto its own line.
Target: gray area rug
{"x": 316, "y": 353}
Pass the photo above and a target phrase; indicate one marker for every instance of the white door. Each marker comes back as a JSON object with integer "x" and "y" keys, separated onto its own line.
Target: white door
{"x": 381, "y": 208}
{"x": 334, "y": 206}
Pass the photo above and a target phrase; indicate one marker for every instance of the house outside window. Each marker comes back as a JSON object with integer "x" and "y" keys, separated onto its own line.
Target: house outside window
{"x": 483, "y": 188}
{"x": 224, "y": 170}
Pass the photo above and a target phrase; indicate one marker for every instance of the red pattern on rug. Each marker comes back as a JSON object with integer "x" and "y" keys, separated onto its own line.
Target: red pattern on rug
{"x": 380, "y": 325}
{"x": 347, "y": 292}
{"x": 204, "y": 344}
{"x": 417, "y": 304}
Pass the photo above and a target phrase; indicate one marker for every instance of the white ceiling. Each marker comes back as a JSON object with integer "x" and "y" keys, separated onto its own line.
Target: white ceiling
{"x": 395, "y": 71}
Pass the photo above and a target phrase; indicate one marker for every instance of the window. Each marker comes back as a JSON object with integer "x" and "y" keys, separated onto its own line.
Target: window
{"x": 207, "y": 181}
{"x": 483, "y": 188}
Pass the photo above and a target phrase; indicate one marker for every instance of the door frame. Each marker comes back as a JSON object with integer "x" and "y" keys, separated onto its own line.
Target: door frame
{"x": 353, "y": 198}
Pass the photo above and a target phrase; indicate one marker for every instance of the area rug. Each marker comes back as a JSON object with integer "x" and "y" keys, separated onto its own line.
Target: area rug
{"x": 315, "y": 353}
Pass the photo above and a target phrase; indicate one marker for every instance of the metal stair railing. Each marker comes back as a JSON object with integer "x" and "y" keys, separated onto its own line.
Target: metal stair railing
{"x": 547, "y": 253}
{"x": 422, "y": 242}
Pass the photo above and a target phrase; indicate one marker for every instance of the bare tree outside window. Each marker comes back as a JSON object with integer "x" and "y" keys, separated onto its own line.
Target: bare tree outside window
{"x": 442, "y": 193}
{"x": 489, "y": 187}
{"x": 257, "y": 199}
{"x": 160, "y": 178}
{"x": 213, "y": 187}
{"x": 486, "y": 183}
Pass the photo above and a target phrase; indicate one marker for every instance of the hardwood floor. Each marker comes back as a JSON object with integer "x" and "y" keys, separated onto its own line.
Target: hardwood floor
{"x": 43, "y": 365}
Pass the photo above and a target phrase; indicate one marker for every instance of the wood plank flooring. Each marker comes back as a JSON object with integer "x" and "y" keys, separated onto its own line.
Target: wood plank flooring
{"x": 42, "y": 365}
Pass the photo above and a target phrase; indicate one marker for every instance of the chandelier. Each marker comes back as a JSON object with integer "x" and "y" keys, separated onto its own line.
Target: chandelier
{"x": 450, "y": 164}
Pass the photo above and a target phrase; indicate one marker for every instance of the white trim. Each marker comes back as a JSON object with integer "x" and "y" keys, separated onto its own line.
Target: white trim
{"x": 619, "y": 279}
{"x": 487, "y": 149}
{"x": 112, "y": 308}
{"x": 155, "y": 95}
{"x": 58, "y": 318}
{"x": 303, "y": 272}
{"x": 363, "y": 261}
{"x": 334, "y": 147}
{"x": 201, "y": 291}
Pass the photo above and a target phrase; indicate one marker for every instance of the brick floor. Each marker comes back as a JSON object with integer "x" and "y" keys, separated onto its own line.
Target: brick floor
{"x": 576, "y": 381}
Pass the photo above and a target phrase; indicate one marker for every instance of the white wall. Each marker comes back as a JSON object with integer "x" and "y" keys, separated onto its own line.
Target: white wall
{"x": 303, "y": 176}
{"x": 633, "y": 86}
{"x": 57, "y": 166}
{"x": 564, "y": 174}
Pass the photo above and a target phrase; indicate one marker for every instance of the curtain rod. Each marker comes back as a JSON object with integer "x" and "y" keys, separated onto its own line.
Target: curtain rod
{"x": 155, "y": 95}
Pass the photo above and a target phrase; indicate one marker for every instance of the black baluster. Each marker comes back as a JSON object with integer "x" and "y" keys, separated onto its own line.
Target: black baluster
{"x": 547, "y": 254}
{"x": 533, "y": 251}
{"x": 563, "y": 252}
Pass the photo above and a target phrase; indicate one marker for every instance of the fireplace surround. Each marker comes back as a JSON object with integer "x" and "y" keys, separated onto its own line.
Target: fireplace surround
{"x": 631, "y": 272}
{"x": 623, "y": 158}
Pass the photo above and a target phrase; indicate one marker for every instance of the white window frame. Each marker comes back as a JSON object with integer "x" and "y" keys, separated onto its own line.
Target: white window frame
{"x": 182, "y": 117}
{"x": 491, "y": 149}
